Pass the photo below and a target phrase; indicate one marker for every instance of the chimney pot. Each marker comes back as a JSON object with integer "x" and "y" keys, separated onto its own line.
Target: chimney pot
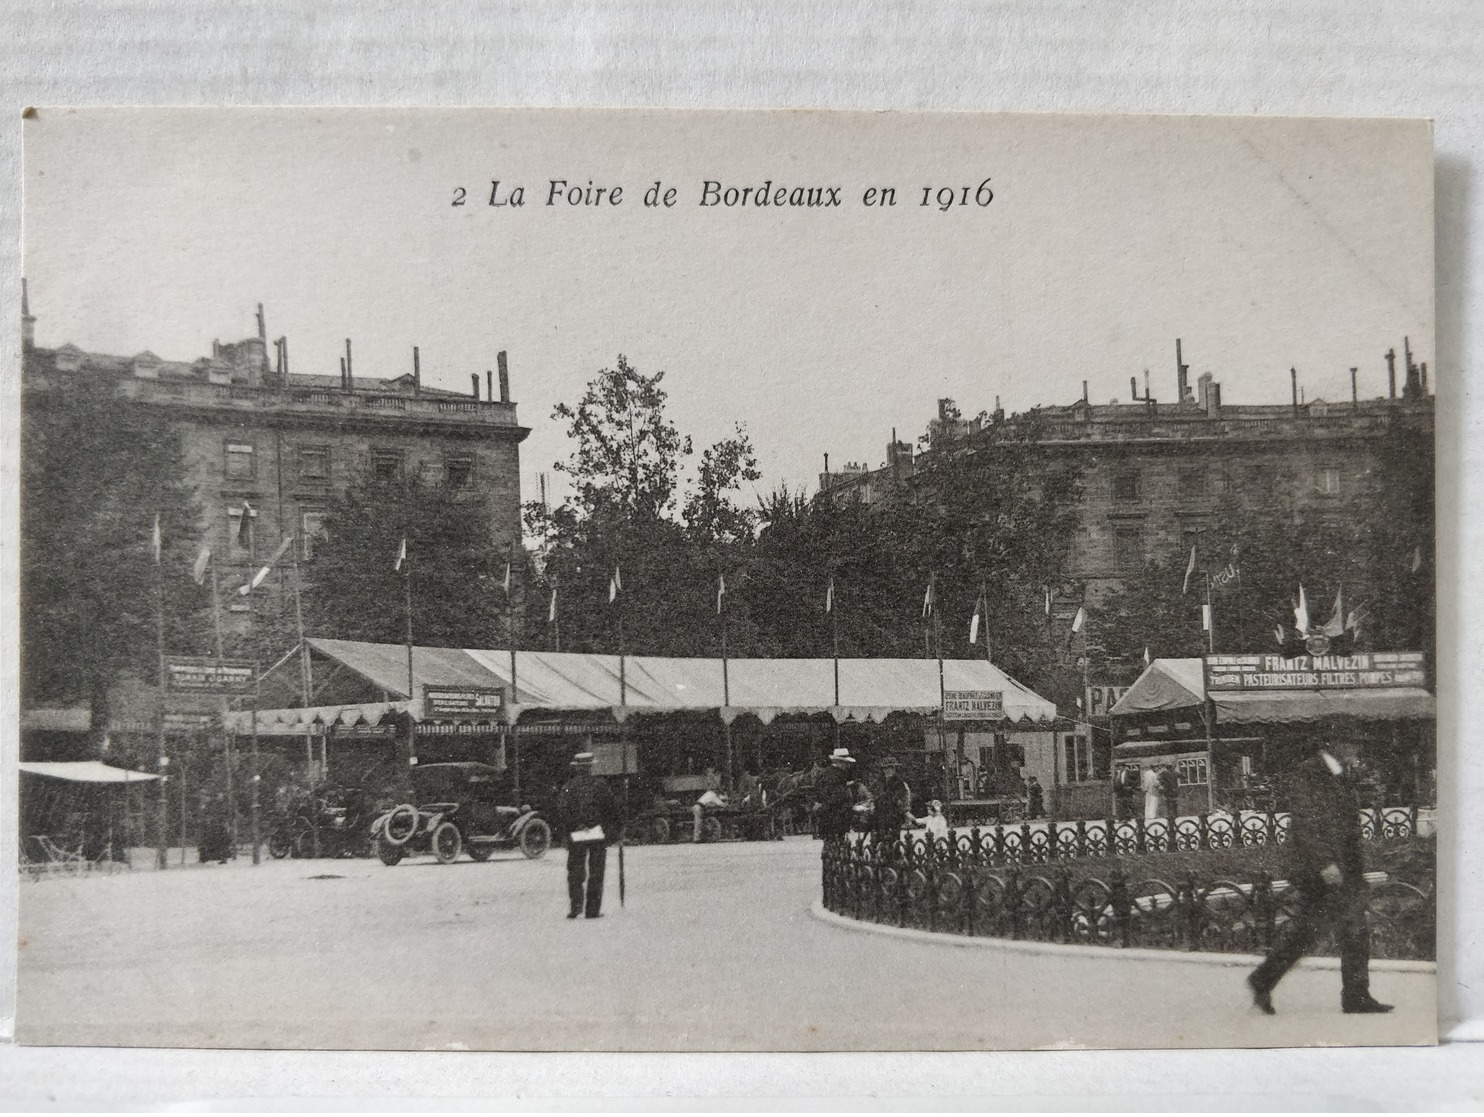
{"x": 474, "y": 377}
{"x": 1391, "y": 372}
{"x": 504, "y": 367}
{"x": 350, "y": 372}
{"x": 1293, "y": 381}
{"x": 417, "y": 373}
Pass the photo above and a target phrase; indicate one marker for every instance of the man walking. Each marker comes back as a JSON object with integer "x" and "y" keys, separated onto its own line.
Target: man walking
{"x": 591, "y": 821}
{"x": 1326, "y": 867}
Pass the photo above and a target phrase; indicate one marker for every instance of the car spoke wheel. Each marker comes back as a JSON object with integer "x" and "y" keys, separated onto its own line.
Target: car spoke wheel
{"x": 448, "y": 843}
{"x": 535, "y": 839}
{"x": 280, "y": 845}
{"x": 388, "y": 853}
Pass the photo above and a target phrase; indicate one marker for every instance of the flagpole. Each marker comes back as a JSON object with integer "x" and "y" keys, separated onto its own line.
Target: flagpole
{"x": 726, "y": 685}
{"x": 937, "y": 632}
{"x": 406, "y": 777}
{"x": 835, "y": 648}
{"x": 1210, "y": 618}
{"x": 160, "y": 711}
{"x": 257, "y": 835}
{"x": 510, "y": 632}
{"x": 221, "y": 667}
{"x": 306, "y": 676}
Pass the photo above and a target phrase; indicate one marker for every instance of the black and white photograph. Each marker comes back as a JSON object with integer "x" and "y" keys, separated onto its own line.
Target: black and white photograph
{"x": 637, "y": 580}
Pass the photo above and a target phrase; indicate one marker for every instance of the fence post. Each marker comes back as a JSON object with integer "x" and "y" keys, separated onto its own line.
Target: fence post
{"x": 1139, "y": 835}
{"x": 1262, "y": 909}
{"x": 978, "y": 845}
{"x": 1063, "y": 903}
{"x": 1186, "y": 906}
{"x": 1203, "y": 823}
{"x": 1081, "y": 844}
{"x": 1119, "y": 898}
{"x": 1012, "y": 900}
{"x": 999, "y": 843}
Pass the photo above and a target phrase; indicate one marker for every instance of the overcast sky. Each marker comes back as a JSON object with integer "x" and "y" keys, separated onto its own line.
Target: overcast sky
{"x": 1264, "y": 244}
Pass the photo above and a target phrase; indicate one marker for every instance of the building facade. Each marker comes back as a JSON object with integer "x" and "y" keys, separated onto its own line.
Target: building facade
{"x": 1155, "y": 475}
{"x": 278, "y": 447}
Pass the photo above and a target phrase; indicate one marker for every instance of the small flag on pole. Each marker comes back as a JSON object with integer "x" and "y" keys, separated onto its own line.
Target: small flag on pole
{"x": 1335, "y": 626}
{"x": 829, "y": 597}
{"x": 1048, "y": 600}
{"x": 155, "y": 542}
{"x": 1301, "y": 613}
{"x": 244, "y": 527}
{"x": 974, "y": 621}
{"x": 1189, "y": 570}
{"x": 721, "y": 591}
{"x": 927, "y": 600}
{"x": 1079, "y": 620}
{"x": 401, "y": 555}
{"x": 257, "y": 579}
{"x": 615, "y": 585}
{"x": 203, "y": 560}
{"x": 551, "y": 609}
{"x": 1205, "y": 618}
{"x": 1278, "y": 634}
{"x": 1147, "y": 660}
{"x": 1416, "y": 560}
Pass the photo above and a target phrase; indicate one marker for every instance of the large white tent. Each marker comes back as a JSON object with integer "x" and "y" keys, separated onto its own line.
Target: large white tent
{"x": 870, "y": 689}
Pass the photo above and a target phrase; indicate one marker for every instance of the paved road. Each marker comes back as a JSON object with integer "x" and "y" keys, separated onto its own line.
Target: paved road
{"x": 716, "y": 949}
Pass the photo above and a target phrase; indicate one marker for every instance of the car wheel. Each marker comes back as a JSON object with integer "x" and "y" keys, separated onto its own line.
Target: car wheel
{"x": 535, "y": 838}
{"x": 481, "y": 852}
{"x": 448, "y": 843}
{"x": 711, "y": 830}
{"x": 280, "y": 845}
{"x": 400, "y": 824}
{"x": 659, "y": 830}
{"x": 388, "y": 853}
{"x": 301, "y": 842}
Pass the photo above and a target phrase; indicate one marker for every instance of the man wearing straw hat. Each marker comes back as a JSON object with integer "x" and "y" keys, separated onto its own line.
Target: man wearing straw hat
{"x": 834, "y": 812}
{"x": 591, "y": 821}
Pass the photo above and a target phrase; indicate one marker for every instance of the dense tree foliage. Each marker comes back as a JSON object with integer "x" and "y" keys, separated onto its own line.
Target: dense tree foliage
{"x": 94, "y": 475}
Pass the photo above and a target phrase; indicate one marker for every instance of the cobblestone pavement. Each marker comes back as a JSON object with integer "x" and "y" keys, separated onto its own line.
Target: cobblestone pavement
{"x": 716, "y": 949}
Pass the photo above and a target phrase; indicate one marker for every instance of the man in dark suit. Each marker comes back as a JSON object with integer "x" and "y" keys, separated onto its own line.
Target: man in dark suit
{"x": 590, "y": 822}
{"x": 893, "y": 803}
{"x": 833, "y": 816}
{"x": 1326, "y": 867}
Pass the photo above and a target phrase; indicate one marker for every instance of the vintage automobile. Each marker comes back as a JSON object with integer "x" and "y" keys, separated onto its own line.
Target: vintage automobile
{"x": 329, "y": 821}
{"x": 456, "y": 809}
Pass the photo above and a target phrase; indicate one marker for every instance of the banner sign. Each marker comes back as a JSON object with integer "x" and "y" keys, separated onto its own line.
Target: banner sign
{"x": 462, "y": 701}
{"x": 188, "y": 722}
{"x": 384, "y": 732}
{"x": 1101, "y": 699}
{"x": 565, "y": 729}
{"x": 973, "y": 705}
{"x": 202, "y": 675}
{"x": 1367, "y": 670}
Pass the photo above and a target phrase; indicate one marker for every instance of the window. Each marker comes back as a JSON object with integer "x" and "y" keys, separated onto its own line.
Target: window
{"x": 1076, "y": 758}
{"x": 314, "y": 463}
{"x": 1128, "y": 547}
{"x": 1190, "y": 771}
{"x": 1327, "y": 481}
{"x": 312, "y": 530}
{"x": 458, "y": 471}
{"x": 240, "y": 463}
{"x": 1126, "y": 484}
{"x": 240, "y": 547}
{"x": 386, "y": 465}
{"x": 1191, "y": 484}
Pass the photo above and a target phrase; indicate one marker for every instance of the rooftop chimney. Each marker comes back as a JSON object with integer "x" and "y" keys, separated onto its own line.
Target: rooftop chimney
{"x": 1391, "y": 373}
{"x": 417, "y": 373}
{"x": 489, "y": 384}
{"x": 1203, "y": 392}
{"x": 1354, "y": 391}
{"x": 350, "y": 373}
{"x": 343, "y": 384}
{"x": 1422, "y": 377}
{"x": 1133, "y": 387}
{"x": 1182, "y": 376}
{"x": 1084, "y": 391}
{"x": 474, "y": 378}
{"x": 1293, "y": 381}
{"x": 1413, "y": 386}
{"x": 504, "y": 368}
{"x": 262, "y": 327}
{"x": 1213, "y": 400}
{"x": 1146, "y": 385}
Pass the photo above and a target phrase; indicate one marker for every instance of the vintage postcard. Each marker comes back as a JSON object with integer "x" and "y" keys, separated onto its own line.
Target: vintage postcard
{"x": 665, "y": 581}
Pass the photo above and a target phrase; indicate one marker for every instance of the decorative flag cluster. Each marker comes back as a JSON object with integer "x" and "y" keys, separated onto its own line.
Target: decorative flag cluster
{"x": 266, "y": 568}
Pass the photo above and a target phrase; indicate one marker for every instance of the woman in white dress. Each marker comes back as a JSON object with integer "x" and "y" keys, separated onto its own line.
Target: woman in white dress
{"x": 1149, "y": 781}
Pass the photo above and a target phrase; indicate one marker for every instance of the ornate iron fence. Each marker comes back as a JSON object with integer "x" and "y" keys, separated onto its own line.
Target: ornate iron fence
{"x": 1043, "y": 841}
{"x": 956, "y": 888}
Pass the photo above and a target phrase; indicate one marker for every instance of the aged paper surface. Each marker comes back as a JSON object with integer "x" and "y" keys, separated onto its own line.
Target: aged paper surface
{"x": 236, "y": 297}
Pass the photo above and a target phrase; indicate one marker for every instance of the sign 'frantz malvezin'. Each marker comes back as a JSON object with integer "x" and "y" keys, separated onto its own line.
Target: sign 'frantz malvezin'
{"x": 201, "y": 675}
{"x": 973, "y": 705}
{"x": 1364, "y": 670}
{"x": 462, "y": 701}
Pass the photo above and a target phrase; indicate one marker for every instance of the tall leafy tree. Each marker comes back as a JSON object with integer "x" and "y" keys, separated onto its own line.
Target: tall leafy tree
{"x": 455, "y": 566}
{"x": 95, "y": 473}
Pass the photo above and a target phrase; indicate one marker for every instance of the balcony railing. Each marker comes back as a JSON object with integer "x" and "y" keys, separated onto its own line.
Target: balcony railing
{"x": 240, "y": 397}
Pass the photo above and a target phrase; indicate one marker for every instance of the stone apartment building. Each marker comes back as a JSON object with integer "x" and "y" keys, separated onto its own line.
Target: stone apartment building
{"x": 1154, "y": 473}
{"x": 277, "y": 446}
